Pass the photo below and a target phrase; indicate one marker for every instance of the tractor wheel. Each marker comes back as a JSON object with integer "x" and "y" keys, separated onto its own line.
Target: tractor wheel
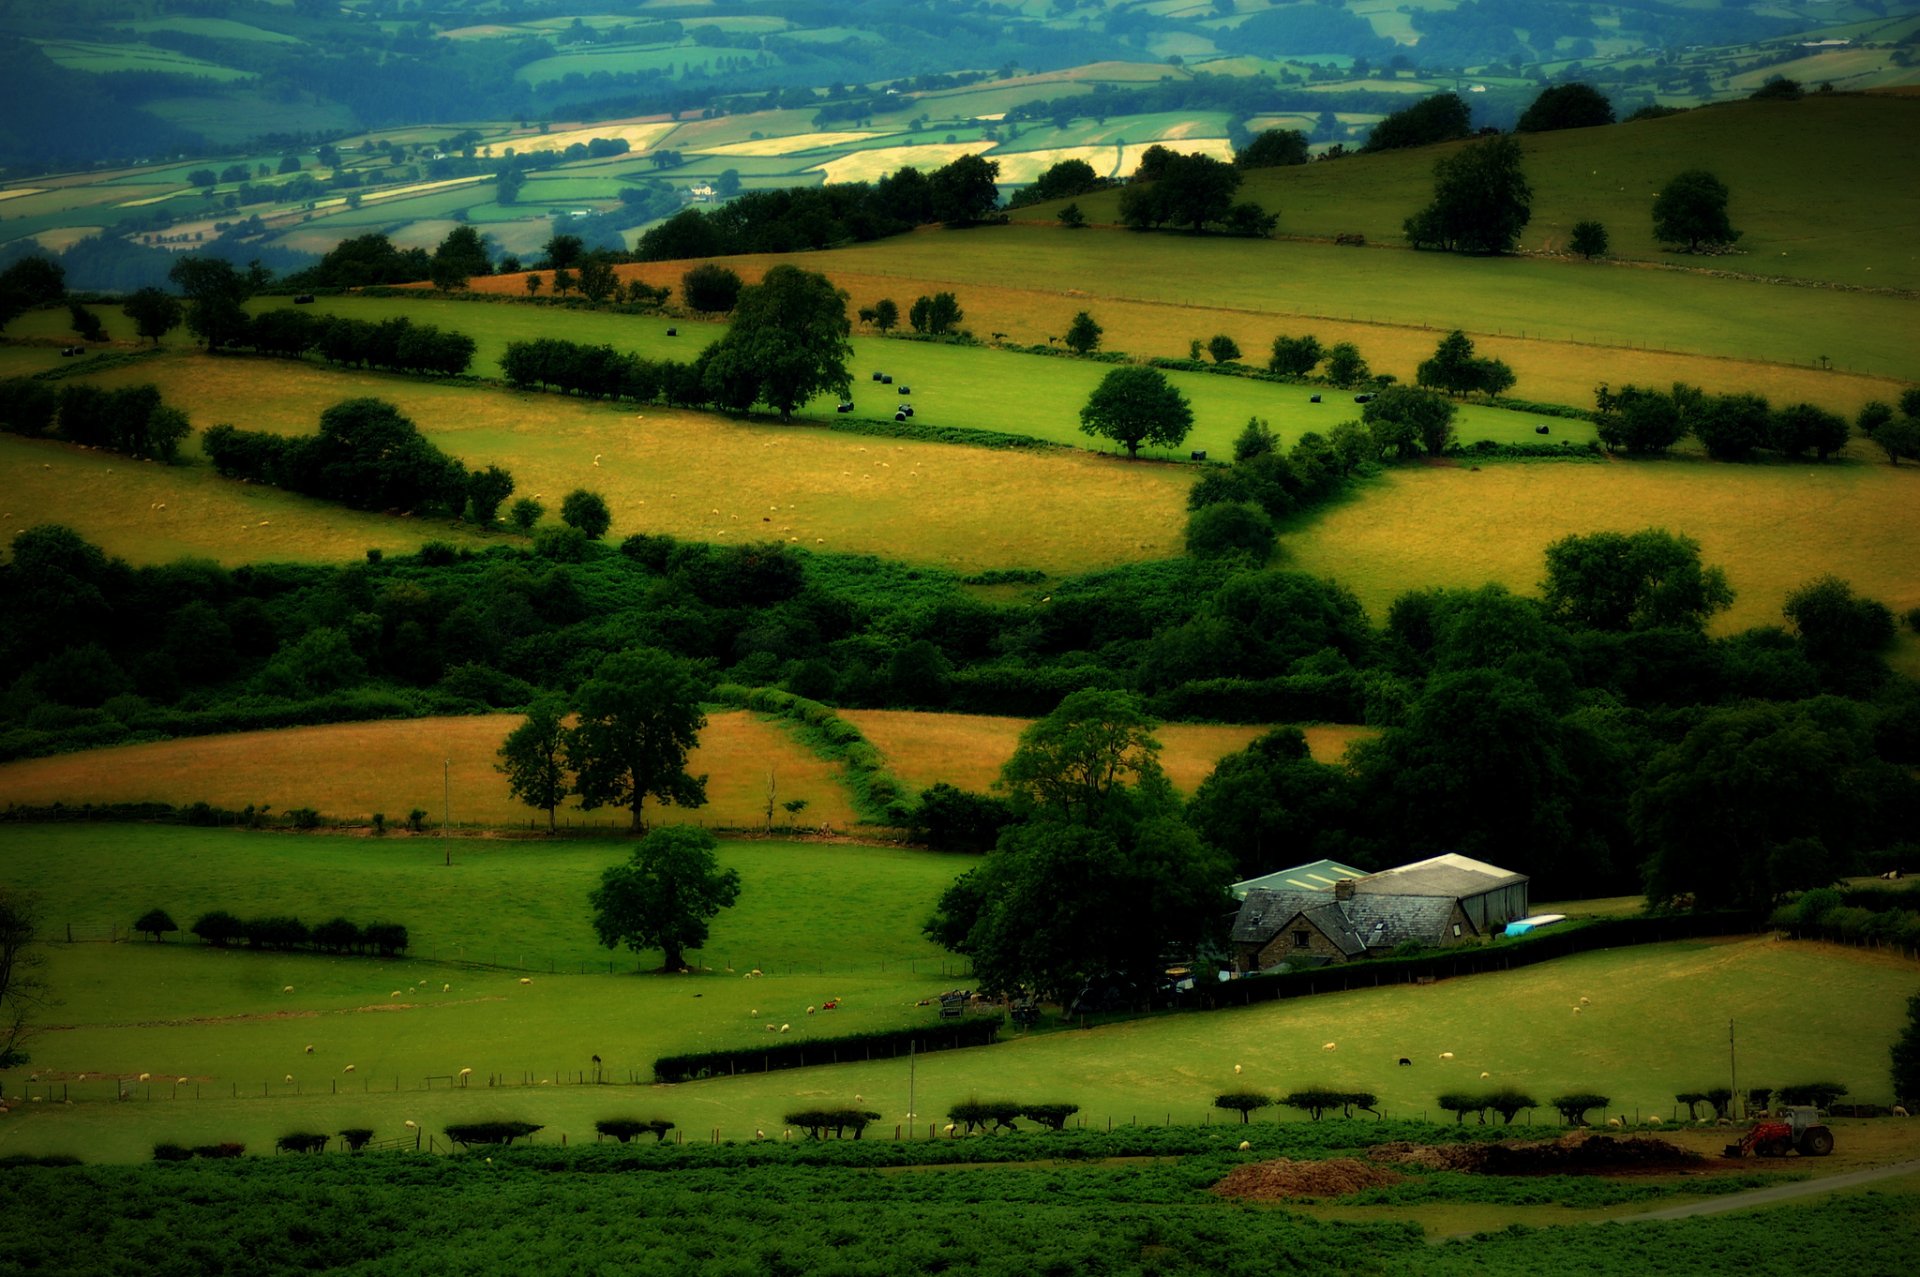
{"x": 1817, "y": 1141}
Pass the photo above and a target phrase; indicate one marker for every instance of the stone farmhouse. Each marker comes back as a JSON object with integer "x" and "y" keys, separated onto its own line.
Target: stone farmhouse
{"x": 1446, "y": 900}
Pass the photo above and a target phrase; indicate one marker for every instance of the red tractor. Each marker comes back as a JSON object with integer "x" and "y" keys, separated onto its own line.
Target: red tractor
{"x": 1795, "y": 1128}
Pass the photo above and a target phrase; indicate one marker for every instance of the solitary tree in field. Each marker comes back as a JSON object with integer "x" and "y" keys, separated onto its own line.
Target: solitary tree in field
{"x": 154, "y": 313}
{"x": 886, "y": 315}
{"x": 156, "y": 922}
{"x": 1134, "y": 405}
{"x": 23, "y": 992}
{"x": 1691, "y": 210}
{"x": 710, "y": 287}
{"x": 665, "y": 896}
{"x": 638, "y": 719}
{"x": 1083, "y": 335}
{"x": 533, "y": 759}
{"x": 216, "y": 294}
{"x": 1589, "y": 240}
{"x": 587, "y": 512}
{"x": 1294, "y": 356}
{"x": 1346, "y": 367}
{"x": 1565, "y": 106}
{"x": 1481, "y": 200}
{"x": 1223, "y": 348}
{"x": 1622, "y": 581}
{"x": 486, "y": 490}
{"x": 787, "y": 343}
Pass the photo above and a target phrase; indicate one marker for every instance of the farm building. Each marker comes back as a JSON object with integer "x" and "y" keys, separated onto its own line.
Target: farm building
{"x": 1318, "y": 876}
{"x": 1445, "y": 900}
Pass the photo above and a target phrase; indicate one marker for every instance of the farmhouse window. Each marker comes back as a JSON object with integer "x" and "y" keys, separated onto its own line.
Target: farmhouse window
{"x": 1456, "y": 931}
{"x": 1301, "y": 939}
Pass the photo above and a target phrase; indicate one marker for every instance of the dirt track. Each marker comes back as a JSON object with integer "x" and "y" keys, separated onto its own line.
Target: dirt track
{"x": 1778, "y": 1193}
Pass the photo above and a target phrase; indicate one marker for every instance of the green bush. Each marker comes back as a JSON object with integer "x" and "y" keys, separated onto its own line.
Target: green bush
{"x": 171, "y": 1152}
{"x": 302, "y": 1142}
{"x": 356, "y": 1138}
{"x": 1575, "y": 1105}
{"x": 466, "y": 1134}
{"x": 1052, "y": 1116}
{"x": 625, "y": 1128}
{"x": 1245, "y": 1103}
{"x": 817, "y": 1122}
{"x": 985, "y": 1114}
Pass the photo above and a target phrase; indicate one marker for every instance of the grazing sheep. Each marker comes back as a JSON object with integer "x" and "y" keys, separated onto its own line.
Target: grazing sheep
{"x": 1615, "y": 1123}
{"x": 348, "y": 1069}
{"x": 753, "y": 1012}
{"x": 183, "y": 1081}
{"x": 1236, "y": 1068}
{"x": 773, "y": 1028}
{"x": 787, "y": 1134}
{"x": 1328, "y": 1046}
{"x": 309, "y": 1048}
{"x": 287, "y": 989}
{"x": 809, "y": 1010}
{"x": 785, "y": 1027}
{"x": 1485, "y": 1074}
{"x": 1898, "y": 1111}
{"x": 411, "y": 1125}
{"x": 1576, "y": 1010}
{"x": 759, "y": 1134}
{"x": 949, "y": 1128}
{"x": 148, "y": 1077}
{"x": 446, "y": 988}
{"x": 394, "y": 994}
{"x": 1246, "y": 1146}
{"x": 526, "y": 979}
{"x": 1583, "y": 1001}
{"x": 1655, "y": 1120}
{"x": 1446, "y": 1055}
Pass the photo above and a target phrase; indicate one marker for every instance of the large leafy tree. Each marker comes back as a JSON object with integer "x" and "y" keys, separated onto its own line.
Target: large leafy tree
{"x": 1404, "y": 420}
{"x": 665, "y": 896}
{"x": 1076, "y": 761}
{"x": 459, "y": 257}
{"x": 1274, "y": 148}
{"x": 1906, "y": 1055}
{"x": 1691, "y": 212}
{"x": 154, "y": 313}
{"x": 1440, "y": 118}
{"x": 533, "y": 758}
{"x": 788, "y": 339}
{"x": 1135, "y": 404}
{"x": 637, "y": 719}
{"x": 1565, "y": 106}
{"x": 1762, "y": 799}
{"x": 216, "y": 296}
{"x": 1455, "y": 369}
{"x": 1270, "y": 804}
{"x": 964, "y": 191}
{"x": 23, "y": 992}
{"x": 1632, "y": 581}
{"x": 1481, "y": 200}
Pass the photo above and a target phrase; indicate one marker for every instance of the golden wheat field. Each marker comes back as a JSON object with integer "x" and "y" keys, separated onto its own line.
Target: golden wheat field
{"x": 349, "y": 771}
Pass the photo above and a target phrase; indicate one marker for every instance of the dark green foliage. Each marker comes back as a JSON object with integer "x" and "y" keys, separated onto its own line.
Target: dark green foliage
{"x": 1732, "y": 427}
{"x": 1184, "y": 190}
{"x": 710, "y": 287}
{"x": 1230, "y": 528}
{"x": 1072, "y": 218}
{"x": 1440, "y": 118}
{"x": 356, "y": 1138}
{"x": 467, "y": 1134}
{"x": 1637, "y": 420}
{"x": 1461, "y": 1103}
{"x": 637, "y": 718}
{"x": 155, "y": 922}
{"x": 218, "y": 928}
{"x": 1905, "y": 1053}
{"x": 170, "y": 1152}
{"x": 1270, "y": 804}
{"x": 985, "y": 1115}
{"x": 1052, "y": 1116}
{"x": 816, "y": 1122}
{"x": 85, "y": 324}
{"x": 1316, "y": 1100}
{"x": 1404, "y": 421}
{"x": 1632, "y": 581}
{"x": 1566, "y": 106}
{"x": 1841, "y": 633}
{"x": 367, "y": 456}
{"x": 533, "y": 759}
{"x": 1294, "y": 356}
{"x": 1589, "y": 239}
{"x": 938, "y": 315}
{"x": 1455, "y": 370}
{"x": 1063, "y": 180}
{"x": 883, "y": 1044}
{"x": 1256, "y": 439}
{"x": 27, "y": 407}
{"x": 1223, "y": 348}
{"x": 963, "y": 190}
{"x": 1575, "y": 1105}
{"x": 1691, "y": 212}
{"x": 1345, "y": 366}
{"x": 1245, "y": 1103}
{"x": 302, "y": 1142}
{"x": 1803, "y": 427}
{"x": 666, "y": 896}
{"x": 951, "y": 819}
{"x": 786, "y": 344}
{"x": 1274, "y": 148}
{"x": 1481, "y": 200}
{"x": 31, "y": 281}
{"x": 625, "y": 1128}
{"x": 216, "y": 293}
{"x": 131, "y": 419}
{"x": 1778, "y": 88}
{"x": 1509, "y": 1102}
{"x": 586, "y": 513}
{"x": 1818, "y": 1094}
{"x": 1083, "y": 334}
{"x": 1133, "y": 405}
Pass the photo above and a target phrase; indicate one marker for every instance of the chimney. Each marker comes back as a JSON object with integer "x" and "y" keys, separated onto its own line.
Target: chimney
{"x": 1343, "y": 889}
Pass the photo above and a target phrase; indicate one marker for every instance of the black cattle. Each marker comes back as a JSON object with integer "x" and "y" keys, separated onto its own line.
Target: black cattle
{"x": 1198, "y": 454}
{"x": 1541, "y": 430}
{"x": 673, "y": 332}
{"x": 1314, "y": 399}
{"x": 303, "y": 299}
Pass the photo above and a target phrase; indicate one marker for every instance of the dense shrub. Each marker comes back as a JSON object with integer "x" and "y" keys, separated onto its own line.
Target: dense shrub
{"x": 625, "y": 1128}
{"x": 816, "y": 1122}
{"x": 466, "y": 1134}
{"x": 1245, "y": 1103}
{"x": 302, "y": 1142}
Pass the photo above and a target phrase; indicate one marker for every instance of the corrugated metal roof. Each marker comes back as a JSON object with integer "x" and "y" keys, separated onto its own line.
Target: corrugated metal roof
{"x": 1317, "y": 876}
{"x": 1447, "y": 875}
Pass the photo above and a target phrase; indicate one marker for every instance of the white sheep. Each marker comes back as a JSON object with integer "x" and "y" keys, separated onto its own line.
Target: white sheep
{"x": 1246, "y": 1146}
{"x": 1898, "y": 1111}
{"x": 1615, "y": 1123}
{"x": 1583, "y": 1001}
{"x": 466, "y": 1072}
{"x": 1446, "y": 1055}
{"x": 526, "y": 979}
{"x": 1236, "y": 1070}
{"x": 785, "y": 1027}
{"x": 1328, "y": 1046}
{"x": 1576, "y": 1010}
{"x": 287, "y": 989}
{"x": 181, "y": 1082}
{"x": 1655, "y": 1120}
{"x": 950, "y": 1127}
{"x": 348, "y": 1069}
{"x": 446, "y": 988}
{"x": 759, "y": 1134}
{"x": 146, "y": 1077}
{"x": 755, "y": 1011}
{"x": 411, "y": 1125}
{"x": 289, "y": 1077}
{"x": 787, "y": 1134}
{"x": 773, "y": 1028}
{"x": 309, "y": 1048}
{"x": 394, "y": 994}
{"x": 1485, "y": 1074}
{"x": 809, "y": 1010}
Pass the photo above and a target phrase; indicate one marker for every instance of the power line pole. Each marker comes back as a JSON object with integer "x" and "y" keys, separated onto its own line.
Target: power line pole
{"x": 446, "y": 806}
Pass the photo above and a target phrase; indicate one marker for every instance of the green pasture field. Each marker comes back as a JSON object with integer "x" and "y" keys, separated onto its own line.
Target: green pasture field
{"x": 1169, "y": 126}
{"x": 1558, "y": 301}
{"x": 213, "y": 29}
{"x": 621, "y": 59}
{"x": 694, "y": 475}
{"x": 1772, "y": 528}
{"x": 980, "y": 389}
{"x": 83, "y": 55}
{"x": 821, "y": 921}
{"x": 1837, "y": 214}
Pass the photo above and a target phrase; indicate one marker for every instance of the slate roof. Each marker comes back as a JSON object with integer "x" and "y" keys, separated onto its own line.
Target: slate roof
{"x": 1318, "y": 876}
{"x": 1450, "y": 875}
{"x": 1355, "y": 926}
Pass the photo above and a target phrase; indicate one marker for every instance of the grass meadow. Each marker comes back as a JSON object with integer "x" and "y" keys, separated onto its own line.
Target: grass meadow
{"x": 694, "y": 475}
{"x": 227, "y": 1022}
{"x": 348, "y": 771}
{"x": 968, "y": 750}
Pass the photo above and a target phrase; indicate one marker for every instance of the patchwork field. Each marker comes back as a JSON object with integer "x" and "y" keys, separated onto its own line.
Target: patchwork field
{"x": 660, "y": 472}
{"x": 349, "y": 771}
{"x": 968, "y": 749}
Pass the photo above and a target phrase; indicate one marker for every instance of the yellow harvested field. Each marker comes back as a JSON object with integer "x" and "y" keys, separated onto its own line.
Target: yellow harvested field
{"x": 61, "y": 238}
{"x": 1025, "y": 166}
{"x": 693, "y": 475}
{"x": 397, "y": 192}
{"x": 640, "y": 135}
{"x": 1772, "y": 528}
{"x": 871, "y": 166}
{"x": 348, "y": 771}
{"x": 14, "y": 193}
{"x": 790, "y": 145}
{"x": 1217, "y": 147}
{"x": 968, "y": 750}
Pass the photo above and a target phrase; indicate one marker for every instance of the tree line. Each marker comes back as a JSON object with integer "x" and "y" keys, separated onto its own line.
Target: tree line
{"x": 132, "y": 420}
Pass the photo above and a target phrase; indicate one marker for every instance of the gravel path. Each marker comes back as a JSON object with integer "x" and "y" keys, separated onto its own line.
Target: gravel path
{"x": 1778, "y": 1193}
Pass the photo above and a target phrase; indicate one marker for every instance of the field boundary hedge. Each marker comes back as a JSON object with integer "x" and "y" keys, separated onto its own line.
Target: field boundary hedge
{"x": 878, "y": 795}
{"x": 1604, "y": 933}
{"x": 884, "y": 1045}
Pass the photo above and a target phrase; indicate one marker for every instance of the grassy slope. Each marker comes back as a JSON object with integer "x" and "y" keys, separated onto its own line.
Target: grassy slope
{"x": 690, "y": 474}
{"x": 350, "y": 770}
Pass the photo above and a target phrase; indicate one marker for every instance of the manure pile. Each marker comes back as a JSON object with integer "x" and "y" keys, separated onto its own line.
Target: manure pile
{"x": 1567, "y": 1155}
{"x": 1282, "y": 1179}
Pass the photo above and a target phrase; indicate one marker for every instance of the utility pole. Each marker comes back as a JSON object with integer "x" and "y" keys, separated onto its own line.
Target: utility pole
{"x": 446, "y": 806}
{"x": 1734, "y": 1105}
